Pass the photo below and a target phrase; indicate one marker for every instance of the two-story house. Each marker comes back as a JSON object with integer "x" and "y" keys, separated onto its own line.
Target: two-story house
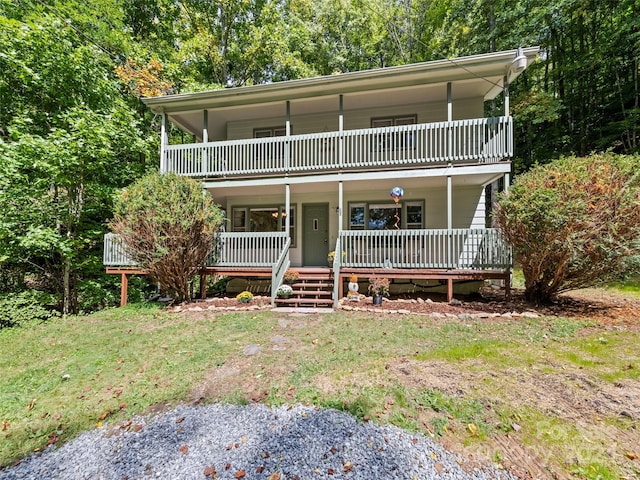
{"x": 306, "y": 167}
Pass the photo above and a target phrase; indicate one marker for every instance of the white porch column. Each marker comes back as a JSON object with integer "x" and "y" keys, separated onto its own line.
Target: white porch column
{"x": 205, "y": 139}
{"x": 340, "y": 209}
{"x": 507, "y": 181}
{"x": 449, "y": 120}
{"x": 205, "y": 126}
{"x": 287, "y": 126}
{"x": 505, "y": 82}
{"x": 449, "y": 204}
{"x": 341, "y": 128}
{"x": 287, "y": 208}
{"x": 163, "y": 143}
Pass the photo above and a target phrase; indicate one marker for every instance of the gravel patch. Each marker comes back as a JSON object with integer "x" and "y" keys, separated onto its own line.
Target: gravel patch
{"x": 249, "y": 442}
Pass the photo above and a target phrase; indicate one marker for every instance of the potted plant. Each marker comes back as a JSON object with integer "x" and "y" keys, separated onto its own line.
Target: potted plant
{"x": 332, "y": 255}
{"x": 244, "y": 297}
{"x": 378, "y": 287}
{"x": 284, "y": 291}
{"x": 291, "y": 275}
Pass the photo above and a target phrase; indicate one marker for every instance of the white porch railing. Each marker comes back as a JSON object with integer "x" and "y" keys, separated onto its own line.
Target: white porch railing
{"x": 233, "y": 250}
{"x": 436, "y": 249}
{"x": 114, "y": 254}
{"x": 428, "y": 249}
{"x": 242, "y": 249}
{"x": 482, "y": 140}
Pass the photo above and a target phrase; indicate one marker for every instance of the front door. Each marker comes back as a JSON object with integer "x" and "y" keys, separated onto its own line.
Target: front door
{"x": 315, "y": 235}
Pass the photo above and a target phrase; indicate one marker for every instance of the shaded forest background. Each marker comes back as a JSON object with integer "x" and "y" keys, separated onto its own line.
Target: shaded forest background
{"x": 73, "y": 130}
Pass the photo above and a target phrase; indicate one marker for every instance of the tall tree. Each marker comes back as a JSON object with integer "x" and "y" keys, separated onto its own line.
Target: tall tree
{"x": 68, "y": 139}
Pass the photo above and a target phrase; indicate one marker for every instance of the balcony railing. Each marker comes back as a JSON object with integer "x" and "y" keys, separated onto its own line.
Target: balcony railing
{"x": 482, "y": 140}
{"x": 428, "y": 249}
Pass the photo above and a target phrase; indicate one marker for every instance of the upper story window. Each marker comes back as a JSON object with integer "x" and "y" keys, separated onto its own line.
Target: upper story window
{"x": 269, "y": 132}
{"x": 395, "y": 140}
{"x": 267, "y": 152}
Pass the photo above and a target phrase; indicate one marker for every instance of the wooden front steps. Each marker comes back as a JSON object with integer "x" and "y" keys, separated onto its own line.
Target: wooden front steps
{"x": 314, "y": 288}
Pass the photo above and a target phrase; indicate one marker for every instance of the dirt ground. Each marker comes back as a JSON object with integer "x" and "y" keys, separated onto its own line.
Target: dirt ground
{"x": 570, "y": 395}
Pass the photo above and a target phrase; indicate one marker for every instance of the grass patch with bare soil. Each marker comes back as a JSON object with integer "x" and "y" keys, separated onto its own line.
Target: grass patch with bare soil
{"x": 546, "y": 397}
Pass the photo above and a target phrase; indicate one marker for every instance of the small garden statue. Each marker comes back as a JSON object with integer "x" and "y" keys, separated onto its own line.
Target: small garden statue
{"x": 353, "y": 294}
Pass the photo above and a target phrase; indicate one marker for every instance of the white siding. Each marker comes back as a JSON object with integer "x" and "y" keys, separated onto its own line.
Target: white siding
{"x": 355, "y": 119}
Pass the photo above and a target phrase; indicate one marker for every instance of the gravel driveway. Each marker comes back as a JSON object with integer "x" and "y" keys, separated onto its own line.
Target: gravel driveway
{"x": 249, "y": 442}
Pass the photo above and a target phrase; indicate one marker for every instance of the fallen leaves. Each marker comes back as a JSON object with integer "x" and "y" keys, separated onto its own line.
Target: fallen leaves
{"x": 32, "y": 404}
{"x": 184, "y": 449}
{"x": 53, "y": 438}
{"x": 105, "y": 414}
{"x": 240, "y": 474}
{"x": 210, "y": 471}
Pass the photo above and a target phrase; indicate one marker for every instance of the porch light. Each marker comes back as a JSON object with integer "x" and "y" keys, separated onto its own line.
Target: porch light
{"x": 520, "y": 62}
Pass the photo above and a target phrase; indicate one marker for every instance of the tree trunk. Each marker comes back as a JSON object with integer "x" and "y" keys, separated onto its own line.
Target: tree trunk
{"x": 66, "y": 289}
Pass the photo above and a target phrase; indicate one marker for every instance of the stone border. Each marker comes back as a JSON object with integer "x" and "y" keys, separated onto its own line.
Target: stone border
{"x": 365, "y": 305}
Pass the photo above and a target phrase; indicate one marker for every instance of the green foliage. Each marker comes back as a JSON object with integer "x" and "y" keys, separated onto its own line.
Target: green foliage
{"x": 574, "y": 223}
{"x": 168, "y": 224}
{"x": 67, "y": 140}
{"x": 26, "y": 308}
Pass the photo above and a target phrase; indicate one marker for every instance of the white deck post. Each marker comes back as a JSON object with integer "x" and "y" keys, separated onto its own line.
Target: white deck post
{"x": 340, "y": 200}
{"x": 287, "y": 208}
{"x": 163, "y": 143}
{"x": 505, "y": 87}
{"x": 449, "y": 120}
{"x": 287, "y": 150}
{"x": 340, "y": 129}
{"x": 205, "y": 139}
{"x": 449, "y": 186}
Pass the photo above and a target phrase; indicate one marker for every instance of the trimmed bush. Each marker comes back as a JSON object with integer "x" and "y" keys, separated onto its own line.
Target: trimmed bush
{"x": 574, "y": 223}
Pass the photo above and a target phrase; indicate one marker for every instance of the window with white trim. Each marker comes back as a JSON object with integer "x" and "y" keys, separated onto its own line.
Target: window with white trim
{"x": 385, "y": 216}
{"x": 395, "y": 140}
{"x": 269, "y": 132}
{"x": 264, "y": 219}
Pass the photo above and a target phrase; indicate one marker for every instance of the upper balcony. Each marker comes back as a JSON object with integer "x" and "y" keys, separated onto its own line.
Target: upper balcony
{"x": 473, "y": 141}
{"x": 405, "y": 117}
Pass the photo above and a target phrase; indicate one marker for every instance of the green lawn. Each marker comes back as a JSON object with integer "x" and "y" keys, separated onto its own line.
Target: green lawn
{"x": 469, "y": 381}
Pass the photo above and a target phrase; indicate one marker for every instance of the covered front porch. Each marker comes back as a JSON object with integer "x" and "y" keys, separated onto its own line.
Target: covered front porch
{"x": 434, "y": 254}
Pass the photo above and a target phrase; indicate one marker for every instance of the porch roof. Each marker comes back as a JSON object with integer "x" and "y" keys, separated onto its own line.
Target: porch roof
{"x": 419, "y": 178}
{"x": 479, "y": 76}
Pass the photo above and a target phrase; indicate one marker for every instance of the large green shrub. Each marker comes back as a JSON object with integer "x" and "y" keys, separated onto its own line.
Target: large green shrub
{"x": 25, "y": 308}
{"x": 573, "y": 223}
{"x": 168, "y": 224}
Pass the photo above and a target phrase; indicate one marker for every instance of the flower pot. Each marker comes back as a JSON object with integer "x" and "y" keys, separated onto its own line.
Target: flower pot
{"x": 377, "y": 299}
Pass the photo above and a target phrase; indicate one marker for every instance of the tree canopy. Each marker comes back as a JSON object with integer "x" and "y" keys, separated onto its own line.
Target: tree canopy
{"x": 72, "y": 129}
